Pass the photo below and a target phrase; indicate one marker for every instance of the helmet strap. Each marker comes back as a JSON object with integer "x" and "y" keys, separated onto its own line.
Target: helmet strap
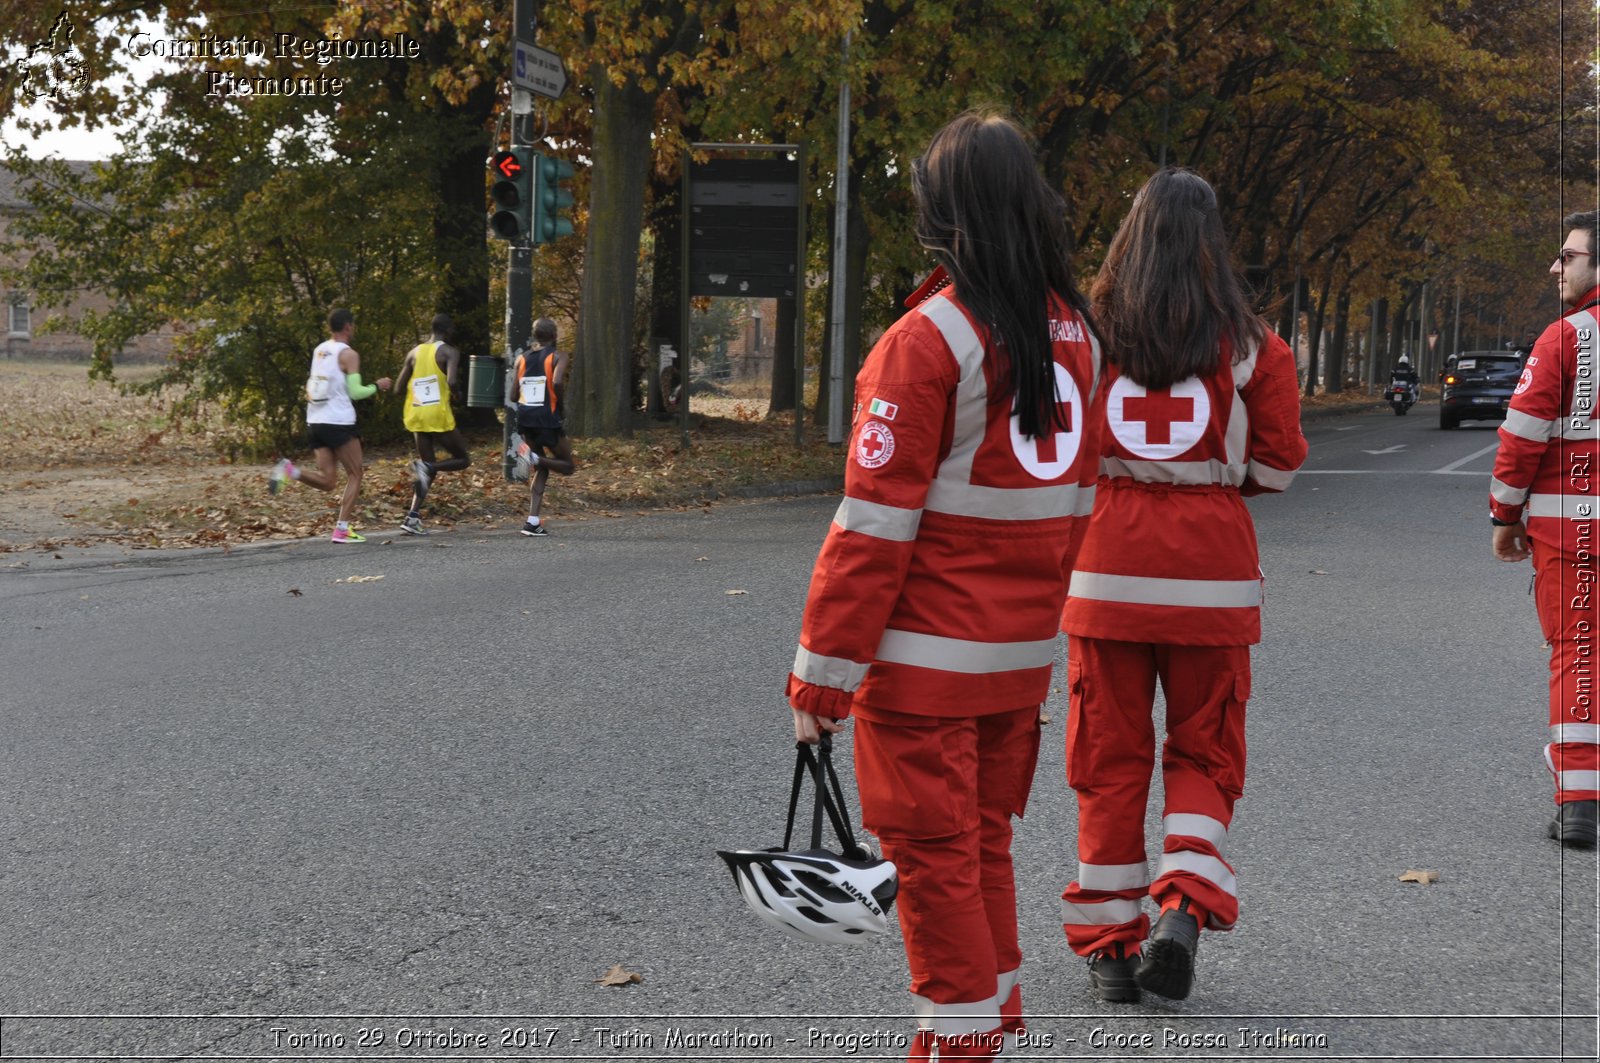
{"x": 828, "y": 796}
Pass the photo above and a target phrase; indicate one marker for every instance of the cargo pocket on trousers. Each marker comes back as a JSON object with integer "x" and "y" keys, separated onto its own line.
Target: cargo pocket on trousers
{"x": 1230, "y": 732}
{"x": 1078, "y": 756}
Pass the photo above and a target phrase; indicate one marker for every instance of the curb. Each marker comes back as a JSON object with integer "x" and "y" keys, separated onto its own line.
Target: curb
{"x": 778, "y": 490}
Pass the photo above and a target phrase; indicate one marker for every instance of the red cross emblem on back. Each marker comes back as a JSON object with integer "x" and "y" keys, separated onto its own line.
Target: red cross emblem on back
{"x": 1158, "y": 425}
{"x": 1158, "y": 410}
{"x": 1046, "y": 445}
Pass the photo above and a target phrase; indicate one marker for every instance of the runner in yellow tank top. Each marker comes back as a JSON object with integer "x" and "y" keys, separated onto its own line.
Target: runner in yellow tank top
{"x": 428, "y": 400}
{"x": 428, "y": 380}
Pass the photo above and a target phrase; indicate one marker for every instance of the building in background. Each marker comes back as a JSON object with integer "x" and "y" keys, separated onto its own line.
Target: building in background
{"x": 22, "y": 316}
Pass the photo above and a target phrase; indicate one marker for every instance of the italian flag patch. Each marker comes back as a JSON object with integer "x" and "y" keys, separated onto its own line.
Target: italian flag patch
{"x": 886, "y": 410}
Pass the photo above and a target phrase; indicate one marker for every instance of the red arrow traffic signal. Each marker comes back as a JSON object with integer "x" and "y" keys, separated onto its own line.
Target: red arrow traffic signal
{"x": 506, "y": 164}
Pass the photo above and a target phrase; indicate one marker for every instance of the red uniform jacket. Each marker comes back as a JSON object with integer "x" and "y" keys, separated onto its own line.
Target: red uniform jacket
{"x": 1545, "y": 470}
{"x": 939, "y": 584}
{"x": 1170, "y": 554}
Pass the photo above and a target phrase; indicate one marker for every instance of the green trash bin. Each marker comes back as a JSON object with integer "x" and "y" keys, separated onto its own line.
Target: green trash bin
{"x": 486, "y": 381}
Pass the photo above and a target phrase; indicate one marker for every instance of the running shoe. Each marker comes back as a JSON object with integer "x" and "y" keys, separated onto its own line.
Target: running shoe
{"x": 412, "y": 526}
{"x": 281, "y": 474}
{"x": 340, "y": 535}
{"x": 534, "y": 529}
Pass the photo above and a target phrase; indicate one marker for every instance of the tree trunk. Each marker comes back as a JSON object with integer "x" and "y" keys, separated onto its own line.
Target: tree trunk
{"x": 782, "y": 394}
{"x": 1314, "y": 352}
{"x": 1398, "y": 325}
{"x": 602, "y": 368}
{"x": 1337, "y": 355}
{"x": 665, "y": 288}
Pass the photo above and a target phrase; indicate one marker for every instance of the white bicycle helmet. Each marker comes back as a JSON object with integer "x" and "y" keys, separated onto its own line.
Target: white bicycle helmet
{"x": 815, "y": 894}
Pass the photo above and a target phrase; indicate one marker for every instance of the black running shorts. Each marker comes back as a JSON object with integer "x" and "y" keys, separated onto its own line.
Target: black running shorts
{"x": 331, "y": 436}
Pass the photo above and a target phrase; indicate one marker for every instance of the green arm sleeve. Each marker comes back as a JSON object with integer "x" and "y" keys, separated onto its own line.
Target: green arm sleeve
{"x": 358, "y": 390}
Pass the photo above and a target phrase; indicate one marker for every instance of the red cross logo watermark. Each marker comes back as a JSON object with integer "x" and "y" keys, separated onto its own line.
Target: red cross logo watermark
{"x": 1159, "y": 425}
{"x": 875, "y": 445}
{"x": 1049, "y": 456}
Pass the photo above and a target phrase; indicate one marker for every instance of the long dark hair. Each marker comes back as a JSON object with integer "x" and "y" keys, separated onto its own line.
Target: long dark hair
{"x": 1168, "y": 294}
{"x": 999, "y": 230}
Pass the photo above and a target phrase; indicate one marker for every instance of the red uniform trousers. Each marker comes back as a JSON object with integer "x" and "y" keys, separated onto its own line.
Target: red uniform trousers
{"x": 1110, "y": 758}
{"x": 939, "y": 792}
{"x": 1565, "y": 593}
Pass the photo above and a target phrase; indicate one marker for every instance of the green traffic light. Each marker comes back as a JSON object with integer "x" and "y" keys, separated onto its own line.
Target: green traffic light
{"x": 552, "y": 200}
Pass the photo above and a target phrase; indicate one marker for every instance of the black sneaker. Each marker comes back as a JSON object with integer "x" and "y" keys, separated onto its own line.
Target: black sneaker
{"x": 1111, "y": 975}
{"x": 1167, "y": 968}
{"x": 1576, "y": 824}
{"x": 534, "y": 529}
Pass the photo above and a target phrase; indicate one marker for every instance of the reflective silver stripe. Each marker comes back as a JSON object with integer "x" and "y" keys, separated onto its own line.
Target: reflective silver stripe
{"x": 960, "y": 655}
{"x": 1150, "y": 590}
{"x": 1099, "y": 913}
{"x": 1003, "y": 503}
{"x": 972, "y": 392}
{"x": 1526, "y": 426}
{"x": 1109, "y": 878}
{"x": 1094, "y": 361}
{"x": 1243, "y": 371}
{"x": 1209, "y": 868}
{"x": 953, "y": 1020}
{"x": 1572, "y": 507}
{"x": 1194, "y": 825}
{"x": 1085, "y": 501}
{"x": 1238, "y": 433}
{"x": 1270, "y": 478}
{"x": 1576, "y": 732}
{"x": 1501, "y": 491}
{"x": 1005, "y": 982}
{"x": 1174, "y": 472}
{"x": 1578, "y": 780}
{"x": 878, "y": 520}
{"x": 828, "y": 671}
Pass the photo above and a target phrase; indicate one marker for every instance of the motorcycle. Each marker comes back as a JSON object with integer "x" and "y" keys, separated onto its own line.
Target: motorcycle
{"x": 1401, "y": 396}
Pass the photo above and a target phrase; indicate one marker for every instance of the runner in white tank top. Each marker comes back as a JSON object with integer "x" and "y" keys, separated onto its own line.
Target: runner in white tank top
{"x": 331, "y": 387}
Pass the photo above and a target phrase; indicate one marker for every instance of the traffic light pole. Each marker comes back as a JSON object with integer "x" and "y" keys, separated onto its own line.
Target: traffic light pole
{"x": 519, "y": 300}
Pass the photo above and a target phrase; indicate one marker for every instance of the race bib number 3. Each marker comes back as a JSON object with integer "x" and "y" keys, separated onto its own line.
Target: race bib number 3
{"x": 532, "y": 391}
{"x": 425, "y": 391}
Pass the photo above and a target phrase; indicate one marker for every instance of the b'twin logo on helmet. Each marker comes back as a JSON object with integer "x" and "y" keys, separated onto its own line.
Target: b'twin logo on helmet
{"x": 872, "y": 906}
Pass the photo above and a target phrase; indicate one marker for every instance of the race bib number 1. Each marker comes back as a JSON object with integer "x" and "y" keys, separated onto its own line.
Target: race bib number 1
{"x": 532, "y": 391}
{"x": 425, "y": 391}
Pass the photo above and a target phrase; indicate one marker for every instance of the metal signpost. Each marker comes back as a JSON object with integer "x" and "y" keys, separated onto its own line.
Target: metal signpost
{"x": 744, "y": 236}
{"x": 537, "y": 70}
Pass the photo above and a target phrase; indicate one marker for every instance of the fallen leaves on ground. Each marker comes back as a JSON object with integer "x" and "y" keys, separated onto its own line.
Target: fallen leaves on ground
{"x": 619, "y": 975}
{"x": 1426, "y": 878}
{"x": 97, "y": 466}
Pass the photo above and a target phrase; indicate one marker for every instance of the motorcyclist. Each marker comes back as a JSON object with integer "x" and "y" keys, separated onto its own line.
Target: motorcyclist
{"x": 1403, "y": 376}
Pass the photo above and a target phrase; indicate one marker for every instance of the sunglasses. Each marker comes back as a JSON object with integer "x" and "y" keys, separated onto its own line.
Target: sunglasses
{"x": 1566, "y": 256}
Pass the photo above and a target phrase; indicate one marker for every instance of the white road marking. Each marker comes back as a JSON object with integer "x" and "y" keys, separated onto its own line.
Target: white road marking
{"x": 1387, "y": 450}
{"x": 1453, "y": 466}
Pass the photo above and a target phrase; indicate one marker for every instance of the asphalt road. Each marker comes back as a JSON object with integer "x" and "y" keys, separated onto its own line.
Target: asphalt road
{"x": 254, "y": 809}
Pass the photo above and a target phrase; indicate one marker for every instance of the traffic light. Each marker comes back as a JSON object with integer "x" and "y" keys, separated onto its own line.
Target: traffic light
{"x": 552, "y": 200}
{"x": 511, "y": 194}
